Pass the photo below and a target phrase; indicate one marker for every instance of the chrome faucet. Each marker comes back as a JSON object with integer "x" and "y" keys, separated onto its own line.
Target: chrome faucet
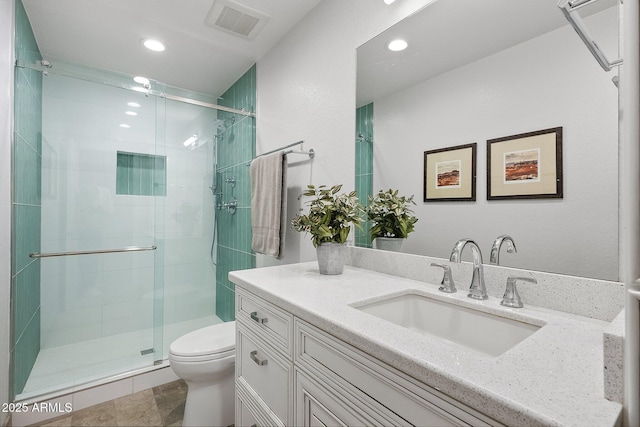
{"x": 477, "y": 290}
{"x": 494, "y": 258}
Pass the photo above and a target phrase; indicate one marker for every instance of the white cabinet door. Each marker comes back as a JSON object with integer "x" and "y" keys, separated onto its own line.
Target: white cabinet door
{"x": 320, "y": 406}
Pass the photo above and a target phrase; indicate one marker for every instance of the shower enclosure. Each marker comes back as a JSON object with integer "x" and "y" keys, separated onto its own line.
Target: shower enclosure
{"x": 125, "y": 219}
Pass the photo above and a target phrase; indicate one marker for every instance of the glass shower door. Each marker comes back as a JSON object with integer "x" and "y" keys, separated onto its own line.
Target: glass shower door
{"x": 103, "y": 185}
{"x": 190, "y": 135}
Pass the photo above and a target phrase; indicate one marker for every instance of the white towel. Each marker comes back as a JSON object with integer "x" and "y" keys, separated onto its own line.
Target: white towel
{"x": 269, "y": 203}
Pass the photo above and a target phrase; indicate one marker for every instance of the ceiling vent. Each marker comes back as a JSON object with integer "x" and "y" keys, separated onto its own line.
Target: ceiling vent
{"x": 236, "y": 19}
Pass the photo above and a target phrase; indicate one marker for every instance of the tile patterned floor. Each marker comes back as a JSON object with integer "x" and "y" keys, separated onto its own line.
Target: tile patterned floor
{"x": 160, "y": 406}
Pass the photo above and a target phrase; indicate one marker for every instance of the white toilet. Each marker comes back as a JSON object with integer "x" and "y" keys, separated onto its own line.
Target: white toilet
{"x": 205, "y": 360}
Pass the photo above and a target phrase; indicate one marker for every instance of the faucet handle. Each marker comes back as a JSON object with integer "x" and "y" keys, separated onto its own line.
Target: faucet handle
{"x": 511, "y": 297}
{"x": 447, "y": 284}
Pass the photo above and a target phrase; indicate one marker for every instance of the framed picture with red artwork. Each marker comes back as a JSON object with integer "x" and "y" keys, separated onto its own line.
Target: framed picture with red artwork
{"x": 450, "y": 174}
{"x": 525, "y": 166}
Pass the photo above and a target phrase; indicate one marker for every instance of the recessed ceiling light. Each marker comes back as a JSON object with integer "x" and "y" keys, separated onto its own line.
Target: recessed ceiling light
{"x": 133, "y": 104}
{"x": 124, "y": 125}
{"x": 388, "y": 2}
{"x": 397, "y": 45}
{"x": 131, "y": 113}
{"x": 153, "y": 45}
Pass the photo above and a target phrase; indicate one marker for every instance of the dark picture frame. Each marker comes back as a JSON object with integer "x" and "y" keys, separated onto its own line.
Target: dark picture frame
{"x": 525, "y": 166}
{"x": 450, "y": 174}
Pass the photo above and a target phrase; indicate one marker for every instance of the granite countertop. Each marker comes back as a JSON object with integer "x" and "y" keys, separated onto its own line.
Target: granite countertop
{"x": 554, "y": 377}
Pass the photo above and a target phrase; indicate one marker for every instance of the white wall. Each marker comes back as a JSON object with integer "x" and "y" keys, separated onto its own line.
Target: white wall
{"x": 549, "y": 81}
{"x": 6, "y": 128}
{"x": 306, "y": 91}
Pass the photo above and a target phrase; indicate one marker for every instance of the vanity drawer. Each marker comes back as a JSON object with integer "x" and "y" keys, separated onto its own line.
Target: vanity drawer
{"x": 244, "y": 415}
{"x": 264, "y": 373}
{"x": 362, "y": 375}
{"x": 266, "y": 320}
{"x": 250, "y": 412}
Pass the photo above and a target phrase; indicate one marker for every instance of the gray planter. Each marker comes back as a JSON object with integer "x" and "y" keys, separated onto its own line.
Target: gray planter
{"x": 331, "y": 257}
{"x": 393, "y": 244}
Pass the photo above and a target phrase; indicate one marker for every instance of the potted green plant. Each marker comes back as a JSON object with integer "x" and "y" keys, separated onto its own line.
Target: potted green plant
{"x": 329, "y": 222}
{"x": 392, "y": 219}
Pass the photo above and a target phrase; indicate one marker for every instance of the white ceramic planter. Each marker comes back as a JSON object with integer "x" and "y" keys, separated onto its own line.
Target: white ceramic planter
{"x": 393, "y": 244}
{"x": 331, "y": 257}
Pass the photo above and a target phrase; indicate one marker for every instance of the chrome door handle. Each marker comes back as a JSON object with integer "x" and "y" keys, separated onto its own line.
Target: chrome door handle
{"x": 254, "y": 316}
{"x": 92, "y": 252}
{"x": 255, "y": 358}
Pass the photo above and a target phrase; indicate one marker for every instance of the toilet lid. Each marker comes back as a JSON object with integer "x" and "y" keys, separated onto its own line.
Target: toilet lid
{"x": 218, "y": 338}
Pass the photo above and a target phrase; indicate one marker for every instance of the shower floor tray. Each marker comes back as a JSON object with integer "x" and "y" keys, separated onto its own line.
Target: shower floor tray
{"x": 72, "y": 365}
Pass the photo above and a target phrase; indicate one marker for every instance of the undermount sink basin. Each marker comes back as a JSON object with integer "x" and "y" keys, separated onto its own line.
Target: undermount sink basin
{"x": 475, "y": 330}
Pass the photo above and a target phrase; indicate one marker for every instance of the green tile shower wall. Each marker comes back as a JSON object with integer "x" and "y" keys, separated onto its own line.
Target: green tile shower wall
{"x": 364, "y": 166}
{"x": 27, "y": 162}
{"x": 236, "y": 148}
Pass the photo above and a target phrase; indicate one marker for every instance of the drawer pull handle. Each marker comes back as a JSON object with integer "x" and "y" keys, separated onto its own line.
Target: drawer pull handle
{"x": 255, "y": 358}
{"x": 254, "y": 316}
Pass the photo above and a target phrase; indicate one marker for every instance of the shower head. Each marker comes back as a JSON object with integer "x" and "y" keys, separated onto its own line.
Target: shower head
{"x": 223, "y": 124}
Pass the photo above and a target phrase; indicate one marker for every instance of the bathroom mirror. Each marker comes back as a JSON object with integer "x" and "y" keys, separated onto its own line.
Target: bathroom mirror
{"x": 487, "y": 69}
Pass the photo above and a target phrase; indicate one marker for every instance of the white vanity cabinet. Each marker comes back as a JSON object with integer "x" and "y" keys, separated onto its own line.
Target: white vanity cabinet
{"x": 311, "y": 378}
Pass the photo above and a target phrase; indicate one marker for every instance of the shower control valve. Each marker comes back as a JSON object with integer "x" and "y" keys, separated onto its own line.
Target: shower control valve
{"x": 230, "y": 206}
